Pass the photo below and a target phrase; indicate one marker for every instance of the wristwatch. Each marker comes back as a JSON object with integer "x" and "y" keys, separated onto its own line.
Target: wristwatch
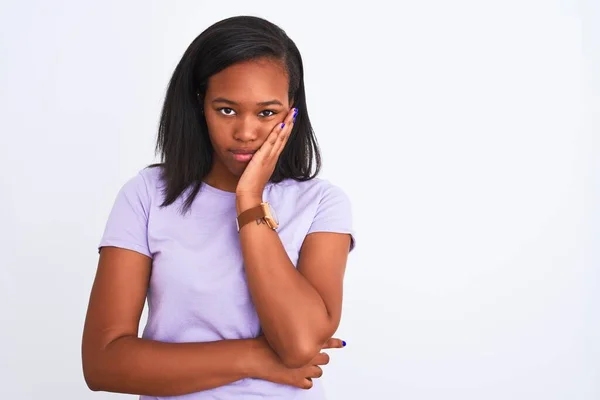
{"x": 264, "y": 212}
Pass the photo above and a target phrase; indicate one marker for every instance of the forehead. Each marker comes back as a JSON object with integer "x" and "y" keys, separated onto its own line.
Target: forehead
{"x": 252, "y": 81}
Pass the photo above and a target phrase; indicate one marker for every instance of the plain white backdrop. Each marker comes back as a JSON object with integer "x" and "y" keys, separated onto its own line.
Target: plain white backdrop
{"x": 464, "y": 133}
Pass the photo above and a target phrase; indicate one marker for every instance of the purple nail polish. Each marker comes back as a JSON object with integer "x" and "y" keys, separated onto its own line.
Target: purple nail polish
{"x": 283, "y": 124}
{"x": 344, "y": 343}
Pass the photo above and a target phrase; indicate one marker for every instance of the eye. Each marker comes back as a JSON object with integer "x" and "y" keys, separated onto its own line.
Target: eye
{"x": 226, "y": 111}
{"x": 267, "y": 113}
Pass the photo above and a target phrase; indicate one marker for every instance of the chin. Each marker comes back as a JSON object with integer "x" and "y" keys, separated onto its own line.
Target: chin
{"x": 236, "y": 170}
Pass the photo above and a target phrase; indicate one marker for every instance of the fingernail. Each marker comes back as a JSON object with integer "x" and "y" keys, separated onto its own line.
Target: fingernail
{"x": 344, "y": 343}
{"x": 283, "y": 124}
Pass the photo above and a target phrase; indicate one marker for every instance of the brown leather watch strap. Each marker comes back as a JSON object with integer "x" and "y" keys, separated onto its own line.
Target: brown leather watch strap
{"x": 252, "y": 214}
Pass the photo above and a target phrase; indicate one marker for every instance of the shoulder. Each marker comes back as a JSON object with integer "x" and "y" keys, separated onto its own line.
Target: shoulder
{"x": 151, "y": 176}
{"x": 314, "y": 191}
{"x": 325, "y": 206}
{"x": 145, "y": 182}
{"x": 141, "y": 190}
{"x": 127, "y": 222}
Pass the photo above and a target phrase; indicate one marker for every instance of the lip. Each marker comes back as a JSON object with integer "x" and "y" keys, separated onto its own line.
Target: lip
{"x": 243, "y": 155}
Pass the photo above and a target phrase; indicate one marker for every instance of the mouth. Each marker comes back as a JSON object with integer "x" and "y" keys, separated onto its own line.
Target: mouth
{"x": 243, "y": 155}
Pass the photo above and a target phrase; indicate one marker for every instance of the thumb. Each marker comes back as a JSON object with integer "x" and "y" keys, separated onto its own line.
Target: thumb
{"x": 334, "y": 343}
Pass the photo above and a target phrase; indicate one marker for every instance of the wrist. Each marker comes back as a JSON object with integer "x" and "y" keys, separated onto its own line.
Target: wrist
{"x": 247, "y": 201}
{"x": 253, "y": 359}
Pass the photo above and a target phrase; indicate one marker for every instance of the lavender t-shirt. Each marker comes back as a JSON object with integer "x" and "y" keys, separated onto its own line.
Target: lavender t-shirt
{"x": 198, "y": 290}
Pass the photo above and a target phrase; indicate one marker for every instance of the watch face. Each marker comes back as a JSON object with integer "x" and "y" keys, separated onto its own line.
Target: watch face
{"x": 273, "y": 214}
{"x": 270, "y": 216}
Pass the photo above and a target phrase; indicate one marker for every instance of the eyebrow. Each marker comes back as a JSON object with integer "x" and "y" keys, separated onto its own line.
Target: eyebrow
{"x": 233, "y": 103}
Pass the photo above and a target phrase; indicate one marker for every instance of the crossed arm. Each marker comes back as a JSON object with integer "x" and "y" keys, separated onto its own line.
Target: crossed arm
{"x": 304, "y": 314}
{"x": 299, "y": 309}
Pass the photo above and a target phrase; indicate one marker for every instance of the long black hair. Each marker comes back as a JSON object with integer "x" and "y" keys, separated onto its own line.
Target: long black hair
{"x": 183, "y": 142}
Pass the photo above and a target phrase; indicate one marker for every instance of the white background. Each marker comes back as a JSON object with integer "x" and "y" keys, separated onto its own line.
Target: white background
{"x": 464, "y": 132}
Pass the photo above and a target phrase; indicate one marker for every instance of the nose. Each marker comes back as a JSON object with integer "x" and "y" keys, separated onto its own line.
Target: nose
{"x": 247, "y": 129}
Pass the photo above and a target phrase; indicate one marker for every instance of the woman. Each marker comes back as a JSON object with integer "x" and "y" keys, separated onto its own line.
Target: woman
{"x": 238, "y": 247}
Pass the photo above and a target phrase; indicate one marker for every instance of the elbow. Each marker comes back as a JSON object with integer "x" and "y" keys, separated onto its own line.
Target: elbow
{"x": 300, "y": 350}
{"x": 98, "y": 378}
{"x": 95, "y": 370}
{"x": 90, "y": 363}
{"x": 297, "y": 356}
{"x": 93, "y": 386}
{"x": 99, "y": 366}
{"x": 91, "y": 377}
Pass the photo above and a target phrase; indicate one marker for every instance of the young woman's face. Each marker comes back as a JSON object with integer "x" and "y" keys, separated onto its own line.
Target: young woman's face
{"x": 243, "y": 103}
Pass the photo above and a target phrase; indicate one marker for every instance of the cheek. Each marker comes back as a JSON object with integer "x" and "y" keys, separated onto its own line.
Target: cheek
{"x": 217, "y": 134}
{"x": 266, "y": 128}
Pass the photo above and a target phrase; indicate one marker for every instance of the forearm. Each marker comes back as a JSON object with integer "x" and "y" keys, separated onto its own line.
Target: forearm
{"x": 293, "y": 316}
{"x": 144, "y": 367}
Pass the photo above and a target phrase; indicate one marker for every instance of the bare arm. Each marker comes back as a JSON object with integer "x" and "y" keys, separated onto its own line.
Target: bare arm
{"x": 299, "y": 309}
{"x": 116, "y": 360}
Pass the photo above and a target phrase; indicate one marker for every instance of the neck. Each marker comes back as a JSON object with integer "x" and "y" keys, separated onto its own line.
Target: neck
{"x": 221, "y": 178}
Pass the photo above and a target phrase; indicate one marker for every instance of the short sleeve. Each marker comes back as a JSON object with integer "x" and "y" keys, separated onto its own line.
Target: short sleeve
{"x": 334, "y": 213}
{"x": 127, "y": 224}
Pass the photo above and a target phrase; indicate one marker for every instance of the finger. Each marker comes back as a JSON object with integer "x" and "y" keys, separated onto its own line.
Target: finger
{"x": 291, "y": 120}
{"x": 315, "y": 372}
{"x": 334, "y": 343}
{"x": 321, "y": 359}
{"x": 307, "y": 384}
{"x": 284, "y": 134}
{"x": 267, "y": 146}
